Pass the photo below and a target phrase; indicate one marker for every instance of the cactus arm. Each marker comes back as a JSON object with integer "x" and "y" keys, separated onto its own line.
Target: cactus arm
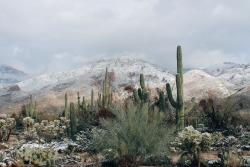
{"x": 190, "y": 105}
{"x": 145, "y": 95}
{"x": 136, "y": 96}
{"x": 170, "y": 96}
{"x": 142, "y": 83}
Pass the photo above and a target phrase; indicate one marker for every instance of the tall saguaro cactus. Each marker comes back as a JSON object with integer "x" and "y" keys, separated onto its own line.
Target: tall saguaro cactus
{"x": 178, "y": 104}
{"x": 73, "y": 122}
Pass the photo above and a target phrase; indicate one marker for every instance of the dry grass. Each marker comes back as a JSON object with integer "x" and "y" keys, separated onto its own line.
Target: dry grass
{"x": 210, "y": 155}
{"x": 47, "y": 116}
{"x": 233, "y": 161}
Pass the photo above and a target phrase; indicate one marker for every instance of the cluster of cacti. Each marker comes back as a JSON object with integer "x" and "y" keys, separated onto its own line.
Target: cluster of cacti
{"x": 57, "y": 129}
{"x": 105, "y": 99}
{"x": 39, "y": 156}
{"x": 179, "y": 104}
{"x": 6, "y": 126}
{"x": 141, "y": 95}
{"x": 31, "y": 109}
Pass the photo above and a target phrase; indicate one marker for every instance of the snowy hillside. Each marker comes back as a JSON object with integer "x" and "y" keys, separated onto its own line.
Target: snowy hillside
{"x": 199, "y": 84}
{"x": 50, "y": 88}
{"x": 238, "y": 74}
{"x": 125, "y": 70}
{"x": 10, "y": 76}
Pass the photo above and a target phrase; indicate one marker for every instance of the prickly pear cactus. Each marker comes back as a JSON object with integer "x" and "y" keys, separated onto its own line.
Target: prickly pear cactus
{"x": 39, "y": 156}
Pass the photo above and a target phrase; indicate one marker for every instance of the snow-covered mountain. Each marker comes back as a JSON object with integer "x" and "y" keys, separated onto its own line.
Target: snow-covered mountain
{"x": 10, "y": 76}
{"x": 238, "y": 74}
{"x": 50, "y": 88}
{"x": 125, "y": 70}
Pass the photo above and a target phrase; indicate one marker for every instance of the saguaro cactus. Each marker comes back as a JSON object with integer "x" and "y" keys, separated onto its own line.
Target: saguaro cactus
{"x": 106, "y": 94}
{"x": 179, "y": 103}
{"x": 92, "y": 100}
{"x": 65, "y": 111}
{"x": 31, "y": 109}
{"x": 73, "y": 123}
{"x": 162, "y": 103}
{"x": 141, "y": 95}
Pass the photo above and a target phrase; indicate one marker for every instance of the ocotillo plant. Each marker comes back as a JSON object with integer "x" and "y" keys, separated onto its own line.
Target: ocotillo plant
{"x": 73, "y": 122}
{"x": 141, "y": 95}
{"x": 179, "y": 103}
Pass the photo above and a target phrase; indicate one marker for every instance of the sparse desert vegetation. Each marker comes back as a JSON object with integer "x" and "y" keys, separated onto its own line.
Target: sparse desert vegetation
{"x": 142, "y": 129}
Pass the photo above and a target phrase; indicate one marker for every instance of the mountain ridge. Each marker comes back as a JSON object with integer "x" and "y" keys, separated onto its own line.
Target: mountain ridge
{"x": 10, "y": 76}
{"x": 50, "y": 88}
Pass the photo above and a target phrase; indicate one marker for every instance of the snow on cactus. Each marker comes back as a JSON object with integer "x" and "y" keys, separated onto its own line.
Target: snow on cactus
{"x": 189, "y": 139}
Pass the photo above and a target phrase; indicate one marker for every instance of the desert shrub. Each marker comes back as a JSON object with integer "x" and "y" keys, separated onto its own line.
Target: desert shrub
{"x": 131, "y": 136}
{"x": 222, "y": 113}
{"x": 230, "y": 157}
{"x": 192, "y": 143}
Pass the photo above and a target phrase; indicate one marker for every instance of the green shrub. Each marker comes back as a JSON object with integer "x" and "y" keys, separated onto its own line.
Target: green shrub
{"x": 133, "y": 135}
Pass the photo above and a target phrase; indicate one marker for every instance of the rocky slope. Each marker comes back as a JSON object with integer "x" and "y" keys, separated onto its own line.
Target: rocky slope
{"x": 238, "y": 74}
{"x": 199, "y": 84}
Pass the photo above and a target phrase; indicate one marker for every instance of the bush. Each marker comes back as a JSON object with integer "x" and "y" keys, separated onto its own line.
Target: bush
{"x": 192, "y": 142}
{"x": 223, "y": 113}
{"x": 133, "y": 136}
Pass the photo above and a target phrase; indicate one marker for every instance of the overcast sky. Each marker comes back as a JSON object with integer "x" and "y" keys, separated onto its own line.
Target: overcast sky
{"x": 39, "y": 36}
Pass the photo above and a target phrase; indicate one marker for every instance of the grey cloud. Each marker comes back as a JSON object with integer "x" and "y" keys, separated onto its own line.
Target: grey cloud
{"x": 57, "y": 35}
